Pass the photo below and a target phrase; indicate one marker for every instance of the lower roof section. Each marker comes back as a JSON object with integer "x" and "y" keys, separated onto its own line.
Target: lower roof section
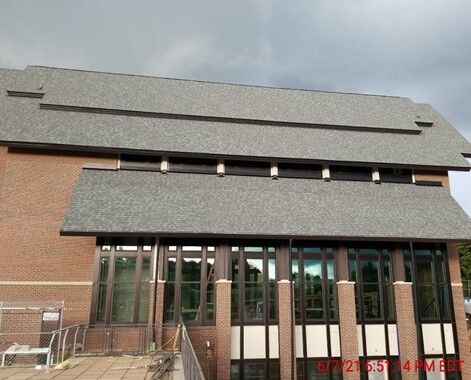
{"x": 118, "y": 202}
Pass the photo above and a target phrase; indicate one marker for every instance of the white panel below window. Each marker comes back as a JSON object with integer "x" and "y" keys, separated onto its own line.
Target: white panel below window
{"x": 299, "y": 341}
{"x": 375, "y": 340}
{"x": 254, "y": 342}
{"x": 235, "y": 343}
{"x": 316, "y": 341}
{"x": 393, "y": 340}
{"x": 335, "y": 341}
{"x": 449, "y": 340}
{"x": 432, "y": 338}
{"x": 273, "y": 342}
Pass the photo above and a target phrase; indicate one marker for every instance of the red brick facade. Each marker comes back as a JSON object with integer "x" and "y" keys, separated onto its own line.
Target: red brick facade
{"x": 35, "y": 189}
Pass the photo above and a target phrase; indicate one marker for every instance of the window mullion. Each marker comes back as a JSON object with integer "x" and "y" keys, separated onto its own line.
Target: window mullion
{"x": 137, "y": 284}
{"x": 178, "y": 286}
{"x": 203, "y": 283}
{"x": 110, "y": 285}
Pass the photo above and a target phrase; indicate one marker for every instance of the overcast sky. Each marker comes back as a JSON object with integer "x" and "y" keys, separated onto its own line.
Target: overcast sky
{"x": 420, "y": 49}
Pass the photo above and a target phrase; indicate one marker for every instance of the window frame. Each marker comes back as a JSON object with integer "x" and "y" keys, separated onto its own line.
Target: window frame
{"x": 179, "y": 254}
{"x": 354, "y": 254}
{"x": 112, "y": 254}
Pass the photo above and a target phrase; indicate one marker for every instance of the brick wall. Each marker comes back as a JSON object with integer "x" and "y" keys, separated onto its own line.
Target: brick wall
{"x": 440, "y": 176}
{"x": 35, "y": 191}
{"x": 223, "y": 328}
{"x": 348, "y": 325}
{"x": 406, "y": 326}
{"x": 285, "y": 316}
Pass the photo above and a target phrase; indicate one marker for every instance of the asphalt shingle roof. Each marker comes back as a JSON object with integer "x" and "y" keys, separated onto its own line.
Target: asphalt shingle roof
{"x": 134, "y": 202}
{"x": 23, "y": 121}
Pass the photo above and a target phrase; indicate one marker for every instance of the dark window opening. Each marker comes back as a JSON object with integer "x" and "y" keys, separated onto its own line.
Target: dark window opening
{"x": 432, "y": 286}
{"x": 371, "y": 269}
{"x": 256, "y": 168}
{"x": 253, "y": 295}
{"x": 293, "y": 170}
{"x": 322, "y": 369}
{"x": 193, "y": 165}
{"x": 313, "y": 276}
{"x": 122, "y": 281}
{"x": 255, "y": 369}
{"x": 190, "y": 284}
{"x": 395, "y": 175}
{"x": 350, "y": 173}
{"x": 131, "y": 162}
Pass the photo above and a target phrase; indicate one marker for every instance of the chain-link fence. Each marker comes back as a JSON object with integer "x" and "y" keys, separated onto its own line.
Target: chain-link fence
{"x": 26, "y": 332}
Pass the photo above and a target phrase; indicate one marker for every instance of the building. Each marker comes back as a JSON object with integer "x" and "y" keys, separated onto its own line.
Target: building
{"x": 285, "y": 227}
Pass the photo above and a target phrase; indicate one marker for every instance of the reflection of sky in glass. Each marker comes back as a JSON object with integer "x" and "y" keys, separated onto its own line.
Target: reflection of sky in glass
{"x": 312, "y": 268}
{"x": 271, "y": 269}
{"x": 256, "y": 263}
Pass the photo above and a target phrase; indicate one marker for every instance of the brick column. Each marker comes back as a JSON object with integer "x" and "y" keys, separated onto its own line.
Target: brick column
{"x": 159, "y": 312}
{"x": 406, "y": 326}
{"x": 285, "y": 330}
{"x": 458, "y": 306}
{"x": 223, "y": 329}
{"x": 348, "y": 325}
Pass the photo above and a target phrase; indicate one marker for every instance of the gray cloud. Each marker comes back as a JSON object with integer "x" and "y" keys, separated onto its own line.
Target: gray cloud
{"x": 419, "y": 49}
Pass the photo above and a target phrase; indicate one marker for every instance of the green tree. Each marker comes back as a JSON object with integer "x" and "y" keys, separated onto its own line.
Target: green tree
{"x": 465, "y": 260}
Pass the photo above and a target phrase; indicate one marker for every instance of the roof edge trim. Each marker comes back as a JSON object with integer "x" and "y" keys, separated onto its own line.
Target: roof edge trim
{"x": 163, "y": 115}
{"x": 117, "y": 150}
{"x": 248, "y": 236}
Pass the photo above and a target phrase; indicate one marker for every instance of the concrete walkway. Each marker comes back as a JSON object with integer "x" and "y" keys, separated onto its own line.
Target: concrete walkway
{"x": 95, "y": 368}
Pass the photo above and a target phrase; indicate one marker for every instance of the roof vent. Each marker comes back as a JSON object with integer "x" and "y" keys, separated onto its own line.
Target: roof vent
{"x": 422, "y": 123}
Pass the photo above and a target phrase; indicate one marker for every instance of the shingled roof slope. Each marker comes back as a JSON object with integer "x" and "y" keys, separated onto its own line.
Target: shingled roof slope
{"x": 23, "y": 121}
{"x": 134, "y": 202}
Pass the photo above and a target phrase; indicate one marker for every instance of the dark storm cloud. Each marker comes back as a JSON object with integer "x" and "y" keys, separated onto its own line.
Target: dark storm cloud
{"x": 420, "y": 49}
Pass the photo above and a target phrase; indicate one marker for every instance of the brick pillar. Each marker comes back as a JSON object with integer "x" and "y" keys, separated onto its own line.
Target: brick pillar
{"x": 348, "y": 325}
{"x": 285, "y": 332}
{"x": 406, "y": 326}
{"x": 223, "y": 329}
{"x": 458, "y": 306}
{"x": 159, "y": 313}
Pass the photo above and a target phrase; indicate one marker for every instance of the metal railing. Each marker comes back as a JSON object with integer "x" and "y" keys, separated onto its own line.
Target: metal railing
{"x": 191, "y": 365}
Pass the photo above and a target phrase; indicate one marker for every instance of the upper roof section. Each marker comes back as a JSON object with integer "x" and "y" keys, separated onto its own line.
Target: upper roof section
{"x": 128, "y": 112}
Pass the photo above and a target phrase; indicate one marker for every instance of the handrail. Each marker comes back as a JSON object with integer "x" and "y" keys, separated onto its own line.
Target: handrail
{"x": 191, "y": 365}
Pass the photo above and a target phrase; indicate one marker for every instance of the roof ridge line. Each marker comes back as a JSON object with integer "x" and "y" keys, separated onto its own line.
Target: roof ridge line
{"x": 224, "y": 83}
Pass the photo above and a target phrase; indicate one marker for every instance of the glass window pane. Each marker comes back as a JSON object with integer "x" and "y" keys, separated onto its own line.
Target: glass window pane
{"x": 106, "y": 247}
{"x": 440, "y": 271}
{"x": 210, "y": 300}
{"x": 147, "y": 248}
{"x": 371, "y": 301}
{"x": 387, "y": 271}
{"x": 144, "y": 302}
{"x": 123, "y": 302}
{"x": 254, "y": 371}
{"x": 172, "y": 248}
{"x": 274, "y": 368}
{"x": 300, "y": 369}
{"x": 101, "y": 303}
{"x": 254, "y": 308}
{"x": 313, "y": 289}
{"x": 169, "y": 301}
{"x": 190, "y": 301}
{"x": 424, "y": 272}
{"x": 126, "y": 244}
{"x": 235, "y": 301}
{"x": 369, "y": 271}
{"x": 145, "y": 271}
{"x": 296, "y": 284}
{"x": 311, "y": 250}
{"x": 171, "y": 267}
{"x": 211, "y": 249}
{"x": 104, "y": 266}
{"x": 254, "y": 270}
{"x": 427, "y": 301}
{"x": 235, "y": 371}
{"x": 192, "y": 248}
{"x": 191, "y": 269}
{"x": 125, "y": 269}
{"x": 352, "y": 269}
{"x": 253, "y": 249}
{"x": 314, "y": 373}
{"x": 389, "y": 301}
{"x": 444, "y": 301}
